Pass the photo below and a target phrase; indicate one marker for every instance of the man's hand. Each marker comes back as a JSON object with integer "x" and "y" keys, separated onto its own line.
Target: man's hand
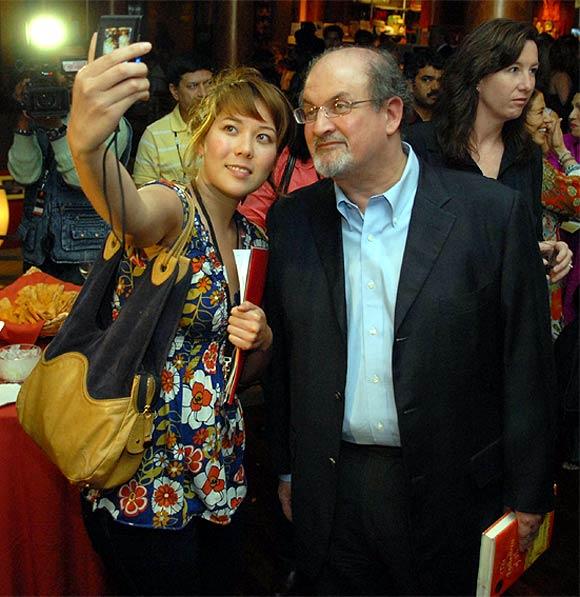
{"x": 19, "y": 90}
{"x": 528, "y": 527}
{"x": 285, "y": 497}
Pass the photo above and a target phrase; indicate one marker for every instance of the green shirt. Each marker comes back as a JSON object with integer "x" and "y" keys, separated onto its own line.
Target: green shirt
{"x": 162, "y": 151}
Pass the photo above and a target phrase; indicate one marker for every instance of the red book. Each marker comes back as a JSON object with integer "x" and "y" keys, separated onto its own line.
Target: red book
{"x": 255, "y": 281}
{"x": 501, "y": 562}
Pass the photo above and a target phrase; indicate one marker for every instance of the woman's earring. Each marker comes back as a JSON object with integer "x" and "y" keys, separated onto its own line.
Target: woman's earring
{"x": 477, "y": 88}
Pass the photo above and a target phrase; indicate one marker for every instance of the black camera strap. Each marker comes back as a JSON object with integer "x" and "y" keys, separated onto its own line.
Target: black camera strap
{"x": 39, "y": 201}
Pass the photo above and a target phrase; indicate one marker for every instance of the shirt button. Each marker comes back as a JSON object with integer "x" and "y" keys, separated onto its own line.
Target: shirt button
{"x": 395, "y": 221}
{"x": 370, "y": 238}
{"x": 373, "y": 331}
{"x": 371, "y": 285}
{"x": 380, "y": 426}
{"x": 375, "y": 379}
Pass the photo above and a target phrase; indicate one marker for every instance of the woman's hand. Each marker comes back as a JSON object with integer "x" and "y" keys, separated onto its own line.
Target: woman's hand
{"x": 248, "y": 328}
{"x": 556, "y": 137}
{"x": 103, "y": 91}
{"x": 557, "y": 256}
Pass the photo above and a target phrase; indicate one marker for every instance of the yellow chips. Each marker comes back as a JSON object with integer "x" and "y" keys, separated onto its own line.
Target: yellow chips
{"x": 37, "y": 302}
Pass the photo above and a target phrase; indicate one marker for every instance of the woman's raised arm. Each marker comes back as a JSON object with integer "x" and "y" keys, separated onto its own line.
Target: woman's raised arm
{"x": 103, "y": 91}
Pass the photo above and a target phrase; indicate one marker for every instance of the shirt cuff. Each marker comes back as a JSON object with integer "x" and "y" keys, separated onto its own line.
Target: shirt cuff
{"x": 285, "y": 478}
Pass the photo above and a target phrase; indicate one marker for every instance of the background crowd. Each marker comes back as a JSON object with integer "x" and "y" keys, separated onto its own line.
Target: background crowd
{"x": 467, "y": 111}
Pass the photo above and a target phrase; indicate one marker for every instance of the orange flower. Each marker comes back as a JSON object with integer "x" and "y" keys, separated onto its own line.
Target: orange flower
{"x": 204, "y": 284}
{"x": 165, "y": 496}
{"x": 197, "y": 263}
{"x": 133, "y": 498}
{"x": 213, "y": 482}
{"x": 166, "y": 381}
{"x": 200, "y": 397}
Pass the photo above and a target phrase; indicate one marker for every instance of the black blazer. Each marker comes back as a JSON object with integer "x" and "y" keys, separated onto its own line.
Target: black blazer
{"x": 471, "y": 365}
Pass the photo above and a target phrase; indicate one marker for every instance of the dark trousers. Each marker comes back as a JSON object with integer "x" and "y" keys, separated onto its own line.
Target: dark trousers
{"x": 200, "y": 559}
{"x": 370, "y": 547}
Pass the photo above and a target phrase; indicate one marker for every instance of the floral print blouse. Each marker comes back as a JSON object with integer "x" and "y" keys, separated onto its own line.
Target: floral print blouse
{"x": 194, "y": 464}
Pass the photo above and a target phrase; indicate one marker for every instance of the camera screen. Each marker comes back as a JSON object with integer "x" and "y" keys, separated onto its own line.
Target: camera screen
{"x": 116, "y": 37}
{"x": 117, "y": 31}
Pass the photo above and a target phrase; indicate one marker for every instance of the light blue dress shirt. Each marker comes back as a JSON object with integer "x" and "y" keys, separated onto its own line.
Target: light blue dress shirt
{"x": 373, "y": 245}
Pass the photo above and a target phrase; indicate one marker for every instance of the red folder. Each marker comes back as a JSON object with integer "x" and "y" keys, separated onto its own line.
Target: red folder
{"x": 254, "y": 292}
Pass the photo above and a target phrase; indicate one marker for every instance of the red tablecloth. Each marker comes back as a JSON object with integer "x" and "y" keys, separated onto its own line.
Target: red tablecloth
{"x": 44, "y": 548}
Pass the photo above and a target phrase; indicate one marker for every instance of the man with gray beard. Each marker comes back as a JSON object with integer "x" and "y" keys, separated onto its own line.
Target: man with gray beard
{"x": 409, "y": 386}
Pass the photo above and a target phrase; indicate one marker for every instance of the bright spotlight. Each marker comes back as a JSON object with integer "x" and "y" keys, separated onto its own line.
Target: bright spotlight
{"x": 46, "y": 32}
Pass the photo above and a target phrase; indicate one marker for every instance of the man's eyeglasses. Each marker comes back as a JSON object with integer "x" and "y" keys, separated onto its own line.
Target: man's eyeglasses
{"x": 332, "y": 109}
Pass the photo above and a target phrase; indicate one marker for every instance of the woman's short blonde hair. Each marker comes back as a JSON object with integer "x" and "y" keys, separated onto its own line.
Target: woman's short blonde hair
{"x": 238, "y": 91}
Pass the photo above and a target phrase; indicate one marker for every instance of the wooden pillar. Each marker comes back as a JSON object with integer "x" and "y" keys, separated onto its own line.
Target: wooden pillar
{"x": 484, "y": 10}
{"x": 311, "y": 10}
{"x": 469, "y": 14}
{"x": 234, "y": 32}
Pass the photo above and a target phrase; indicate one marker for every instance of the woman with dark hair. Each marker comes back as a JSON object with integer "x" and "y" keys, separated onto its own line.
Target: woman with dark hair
{"x": 479, "y": 122}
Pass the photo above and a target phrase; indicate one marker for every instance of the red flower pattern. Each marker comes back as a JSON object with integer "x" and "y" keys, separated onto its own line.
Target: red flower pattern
{"x": 213, "y": 482}
{"x": 197, "y": 263}
{"x": 193, "y": 443}
{"x": 200, "y": 397}
{"x": 133, "y": 498}
{"x": 165, "y": 496}
{"x": 200, "y": 436}
{"x": 210, "y": 357}
{"x": 193, "y": 458}
{"x": 166, "y": 381}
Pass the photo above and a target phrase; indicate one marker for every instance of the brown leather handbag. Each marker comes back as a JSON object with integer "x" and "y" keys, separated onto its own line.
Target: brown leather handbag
{"x": 88, "y": 403}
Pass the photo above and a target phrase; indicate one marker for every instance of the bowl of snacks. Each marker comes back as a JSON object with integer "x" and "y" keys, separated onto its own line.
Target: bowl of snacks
{"x": 18, "y": 360}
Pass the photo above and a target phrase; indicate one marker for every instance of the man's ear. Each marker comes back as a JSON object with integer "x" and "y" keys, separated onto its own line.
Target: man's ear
{"x": 173, "y": 91}
{"x": 393, "y": 109}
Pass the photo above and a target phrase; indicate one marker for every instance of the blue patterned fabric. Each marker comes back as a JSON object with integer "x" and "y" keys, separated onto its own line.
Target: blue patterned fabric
{"x": 194, "y": 465}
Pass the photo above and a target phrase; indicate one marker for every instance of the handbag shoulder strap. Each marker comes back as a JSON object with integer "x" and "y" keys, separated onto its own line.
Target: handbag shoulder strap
{"x": 182, "y": 240}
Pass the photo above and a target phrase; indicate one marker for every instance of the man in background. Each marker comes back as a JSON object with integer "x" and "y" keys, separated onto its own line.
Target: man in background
{"x": 424, "y": 71}
{"x": 332, "y": 35}
{"x": 162, "y": 149}
{"x": 60, "y": 231}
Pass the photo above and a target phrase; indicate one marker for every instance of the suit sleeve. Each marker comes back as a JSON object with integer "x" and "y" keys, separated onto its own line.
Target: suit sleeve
{"x": 276, "y": 385}
{"x": 529, "y": 415}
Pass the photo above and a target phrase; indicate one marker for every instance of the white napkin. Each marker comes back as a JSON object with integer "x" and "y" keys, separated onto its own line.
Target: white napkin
{"x": 8, "y": 393}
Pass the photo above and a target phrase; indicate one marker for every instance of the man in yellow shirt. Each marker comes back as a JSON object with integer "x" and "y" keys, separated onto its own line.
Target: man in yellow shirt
{"x": 162, "y": 149}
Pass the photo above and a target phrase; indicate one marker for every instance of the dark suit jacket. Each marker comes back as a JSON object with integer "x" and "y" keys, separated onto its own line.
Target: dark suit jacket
{"x": 471, "y": 364}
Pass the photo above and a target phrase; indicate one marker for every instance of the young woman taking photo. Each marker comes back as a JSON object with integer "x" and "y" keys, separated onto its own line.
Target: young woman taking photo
{"x": 161, "y": 531}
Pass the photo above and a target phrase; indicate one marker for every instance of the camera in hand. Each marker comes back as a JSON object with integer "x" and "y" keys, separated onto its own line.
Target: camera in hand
{"x": 44, "y": 96}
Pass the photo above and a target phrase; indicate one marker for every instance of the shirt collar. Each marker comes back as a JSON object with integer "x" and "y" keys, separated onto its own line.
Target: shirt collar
{"x": 176, "y": 123}
{"x": 399, "y": 196}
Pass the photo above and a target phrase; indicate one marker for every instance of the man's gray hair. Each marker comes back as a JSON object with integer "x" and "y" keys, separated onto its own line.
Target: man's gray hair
{"x": 384, "y": 75}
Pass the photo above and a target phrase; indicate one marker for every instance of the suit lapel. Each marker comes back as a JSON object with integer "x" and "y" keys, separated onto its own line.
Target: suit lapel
{"x": 429, "y": 227}
{"x": 327, "y": 233}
